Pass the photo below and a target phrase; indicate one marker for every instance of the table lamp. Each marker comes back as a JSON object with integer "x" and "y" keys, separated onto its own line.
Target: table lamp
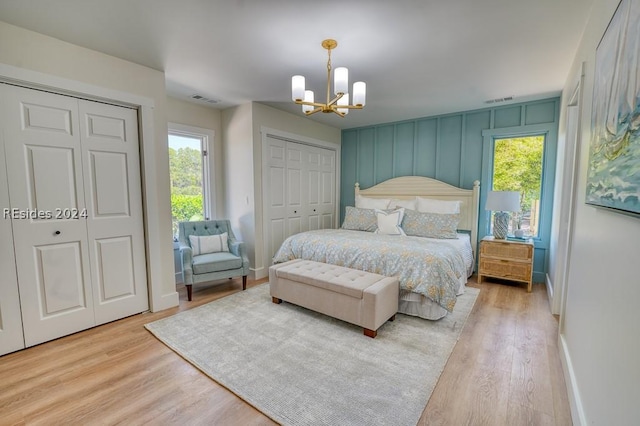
{"x": 502, "y": 203}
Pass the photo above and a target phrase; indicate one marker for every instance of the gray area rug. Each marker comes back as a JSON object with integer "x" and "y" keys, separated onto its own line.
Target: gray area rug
{"x": 303, "y": 368}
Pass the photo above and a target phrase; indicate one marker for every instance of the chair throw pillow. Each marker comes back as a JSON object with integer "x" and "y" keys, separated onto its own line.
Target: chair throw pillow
{"x": 389, "y": 222}
{"x": 203, "y": 244}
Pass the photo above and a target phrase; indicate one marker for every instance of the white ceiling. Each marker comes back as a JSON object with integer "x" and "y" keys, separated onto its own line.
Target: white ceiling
{"x": 418, "y": 57}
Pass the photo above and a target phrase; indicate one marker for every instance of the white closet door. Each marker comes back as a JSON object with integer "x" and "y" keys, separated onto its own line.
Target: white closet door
{"x": 275, "y": 188}
{"x": 322, "y": 187}
{"x": 299, "y": 190}
{"x": 11, "y": 337}
{"x": 111, "y": 164}
{"x": 296, "y": 184}
{"x": 45, "y": 185}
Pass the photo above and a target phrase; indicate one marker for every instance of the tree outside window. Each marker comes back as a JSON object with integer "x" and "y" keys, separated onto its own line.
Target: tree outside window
{"x": 517, "y": 166}
{"x": 186, "y": 174}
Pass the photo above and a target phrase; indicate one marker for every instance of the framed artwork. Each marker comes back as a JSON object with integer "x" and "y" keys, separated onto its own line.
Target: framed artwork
{"x": 613, "y": 176}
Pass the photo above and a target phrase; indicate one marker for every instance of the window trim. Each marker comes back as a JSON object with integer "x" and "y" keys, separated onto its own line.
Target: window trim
{"x": 548, "y": 174}
{"x": 207, "y": 138}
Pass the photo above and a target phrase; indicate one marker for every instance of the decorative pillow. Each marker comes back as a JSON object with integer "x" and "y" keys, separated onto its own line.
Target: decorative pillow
{"x": 389, "y": 222}
{"x": 356, "y": 219}
{"x": 432, "y": 225}
{"x": 209, "y": 243}
{"x": 430, "y": 205}
{"x": 372, "y": 203}
{"x": 407, "y": 204}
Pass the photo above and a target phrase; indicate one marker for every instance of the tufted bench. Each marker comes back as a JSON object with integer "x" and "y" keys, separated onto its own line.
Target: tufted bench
{"x": 361, "y": 298}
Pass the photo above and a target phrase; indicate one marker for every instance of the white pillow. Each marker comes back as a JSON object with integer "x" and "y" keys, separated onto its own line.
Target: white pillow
{"x": 208, "y": 243}
{"x": 407, "y": 204}
{"x": 430, "y": 205}
{"x": 389, "y": 222}
{"x": 371, "y": 203}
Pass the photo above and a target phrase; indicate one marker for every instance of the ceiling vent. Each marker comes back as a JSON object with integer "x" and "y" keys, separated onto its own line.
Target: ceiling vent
{"x": 497, "y": 100}
{"x": 203, "y": 99}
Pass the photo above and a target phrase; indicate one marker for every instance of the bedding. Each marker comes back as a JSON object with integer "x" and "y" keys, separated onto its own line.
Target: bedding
{"x": 428, "y": 267}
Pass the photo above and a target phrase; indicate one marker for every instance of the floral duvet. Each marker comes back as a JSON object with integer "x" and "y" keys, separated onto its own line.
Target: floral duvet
{"x": 422, "y": 265}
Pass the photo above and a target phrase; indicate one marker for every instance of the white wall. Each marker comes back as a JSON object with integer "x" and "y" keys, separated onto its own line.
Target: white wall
{"x": 91, "y": 70}
{"x": 242, "y": 146}
{"x": 237, "y": 148}
{"x": 599, "y": 334}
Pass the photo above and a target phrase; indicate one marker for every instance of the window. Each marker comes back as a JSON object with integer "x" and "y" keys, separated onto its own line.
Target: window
{"x": 189, "y": 175}
{"x": 517, "y": 166}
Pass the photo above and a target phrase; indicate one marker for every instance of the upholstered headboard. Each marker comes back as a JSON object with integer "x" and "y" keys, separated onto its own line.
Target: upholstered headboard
{"x": 407, "y": 187}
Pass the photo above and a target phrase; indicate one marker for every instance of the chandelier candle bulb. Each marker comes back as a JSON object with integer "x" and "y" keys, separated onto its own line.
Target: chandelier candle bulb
{"x": 308, "y": 97}
{"x": 344, "y": 100}
{"x": 341, "y": 81}
{"x": 297, "y": 88}
{"x": 359, "y": 93}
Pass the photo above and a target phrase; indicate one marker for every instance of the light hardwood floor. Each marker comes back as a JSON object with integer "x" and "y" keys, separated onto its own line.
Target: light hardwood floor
{"x": 504, "y": 370}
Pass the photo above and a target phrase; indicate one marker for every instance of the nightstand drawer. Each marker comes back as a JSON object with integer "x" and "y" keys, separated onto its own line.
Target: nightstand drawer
{"x": 505, "y": 269}
{"x": 507, "y": 251}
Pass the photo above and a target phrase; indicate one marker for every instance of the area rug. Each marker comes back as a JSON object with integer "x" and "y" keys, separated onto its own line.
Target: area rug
{"x": 299, "y": 367}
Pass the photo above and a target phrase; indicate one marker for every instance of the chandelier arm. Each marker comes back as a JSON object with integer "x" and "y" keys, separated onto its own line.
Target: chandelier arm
{"x": 334, "y": 100}
{"x": 313, "y": 111}
{"x": 316, "y": 104}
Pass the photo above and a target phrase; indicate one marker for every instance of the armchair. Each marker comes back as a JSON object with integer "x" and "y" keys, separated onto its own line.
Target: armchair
{"x": 206, "y": 257}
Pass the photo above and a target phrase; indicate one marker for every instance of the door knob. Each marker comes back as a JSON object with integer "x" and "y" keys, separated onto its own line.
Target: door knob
{"x": 57, "y": 233}
{"x": 295, "y": 211}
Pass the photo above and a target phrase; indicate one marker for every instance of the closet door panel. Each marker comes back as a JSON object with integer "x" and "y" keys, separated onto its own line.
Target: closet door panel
{"x": 110, "y": 152}
{"x": 314, "y": 176}
{"x": 327, "y": 202}
{"x": 275, "y": 195}
{"x": 11, "y": 336}
{"x": 46, "y": 190}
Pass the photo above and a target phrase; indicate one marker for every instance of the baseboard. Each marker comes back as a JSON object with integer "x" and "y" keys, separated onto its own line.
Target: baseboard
{"x": 259, "y": 273}
{"x": 577, "y": 411}
{"x": 549, "y": 285}
{"x": 165, "y": 301}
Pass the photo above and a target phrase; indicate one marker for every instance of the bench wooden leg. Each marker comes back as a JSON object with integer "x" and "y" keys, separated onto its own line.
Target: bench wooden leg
{"x": 188, "y": 292}
{"x": 370, "y": 333}
{"x": 244, "y": 282}
{"x": 276, "y": 300}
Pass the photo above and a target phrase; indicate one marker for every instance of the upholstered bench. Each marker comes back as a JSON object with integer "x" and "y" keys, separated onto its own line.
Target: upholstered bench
{"x": 358, "y": 297}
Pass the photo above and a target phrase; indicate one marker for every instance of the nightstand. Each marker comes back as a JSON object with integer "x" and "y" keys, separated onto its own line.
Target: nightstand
{"x": 506, "y": 259}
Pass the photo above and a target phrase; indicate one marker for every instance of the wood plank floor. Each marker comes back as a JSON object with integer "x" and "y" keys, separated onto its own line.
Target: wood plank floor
{"x": 505, "y": 370}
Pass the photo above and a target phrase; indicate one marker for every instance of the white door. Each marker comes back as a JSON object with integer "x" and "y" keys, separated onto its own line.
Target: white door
{"x": 299, "y": 190}
{"x": 74, "y": 185}
{"x": 46, "y": 189}
{"x": 111, "y": 164}
{"x": 11, "y": 337}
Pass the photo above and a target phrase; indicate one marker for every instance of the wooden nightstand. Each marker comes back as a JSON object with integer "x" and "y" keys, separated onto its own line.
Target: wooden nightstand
{"x": 506, "y": 259}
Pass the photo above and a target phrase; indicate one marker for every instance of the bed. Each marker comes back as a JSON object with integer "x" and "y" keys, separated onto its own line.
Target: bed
{"x": 432, "y": 271}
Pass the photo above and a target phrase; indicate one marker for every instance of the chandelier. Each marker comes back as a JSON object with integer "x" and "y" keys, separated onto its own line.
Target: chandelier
{"x": 340, "y": 103}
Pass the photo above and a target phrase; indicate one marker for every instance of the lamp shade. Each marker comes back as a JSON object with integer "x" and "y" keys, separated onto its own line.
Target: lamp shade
{"x": 503, "y": 201}
{"x": 308, "y": 97}
{"x": 340, "y": 80}
{"x": 344, "y": 100}
{"x": 297, "y": 87}
{"x": 359, "y": 93}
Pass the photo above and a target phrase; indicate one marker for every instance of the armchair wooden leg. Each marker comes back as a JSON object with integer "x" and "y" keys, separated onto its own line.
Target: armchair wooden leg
{"x": 244, "y": 282}
{"x": 188, "y": 292}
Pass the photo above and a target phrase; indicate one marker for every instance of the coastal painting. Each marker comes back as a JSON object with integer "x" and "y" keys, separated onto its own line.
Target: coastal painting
{"x": 613, "y": 178}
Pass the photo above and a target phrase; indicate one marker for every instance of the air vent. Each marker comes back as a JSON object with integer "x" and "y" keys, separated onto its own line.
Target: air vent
{"x": 497, "y": 100}
{"x": 203, "y": 99}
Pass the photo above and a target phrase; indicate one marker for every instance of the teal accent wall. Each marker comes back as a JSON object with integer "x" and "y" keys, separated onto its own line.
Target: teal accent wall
{"x": 454, "y": 148}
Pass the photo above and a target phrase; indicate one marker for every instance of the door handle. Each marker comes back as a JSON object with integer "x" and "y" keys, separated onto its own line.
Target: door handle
{"x": 57, "y": 233}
